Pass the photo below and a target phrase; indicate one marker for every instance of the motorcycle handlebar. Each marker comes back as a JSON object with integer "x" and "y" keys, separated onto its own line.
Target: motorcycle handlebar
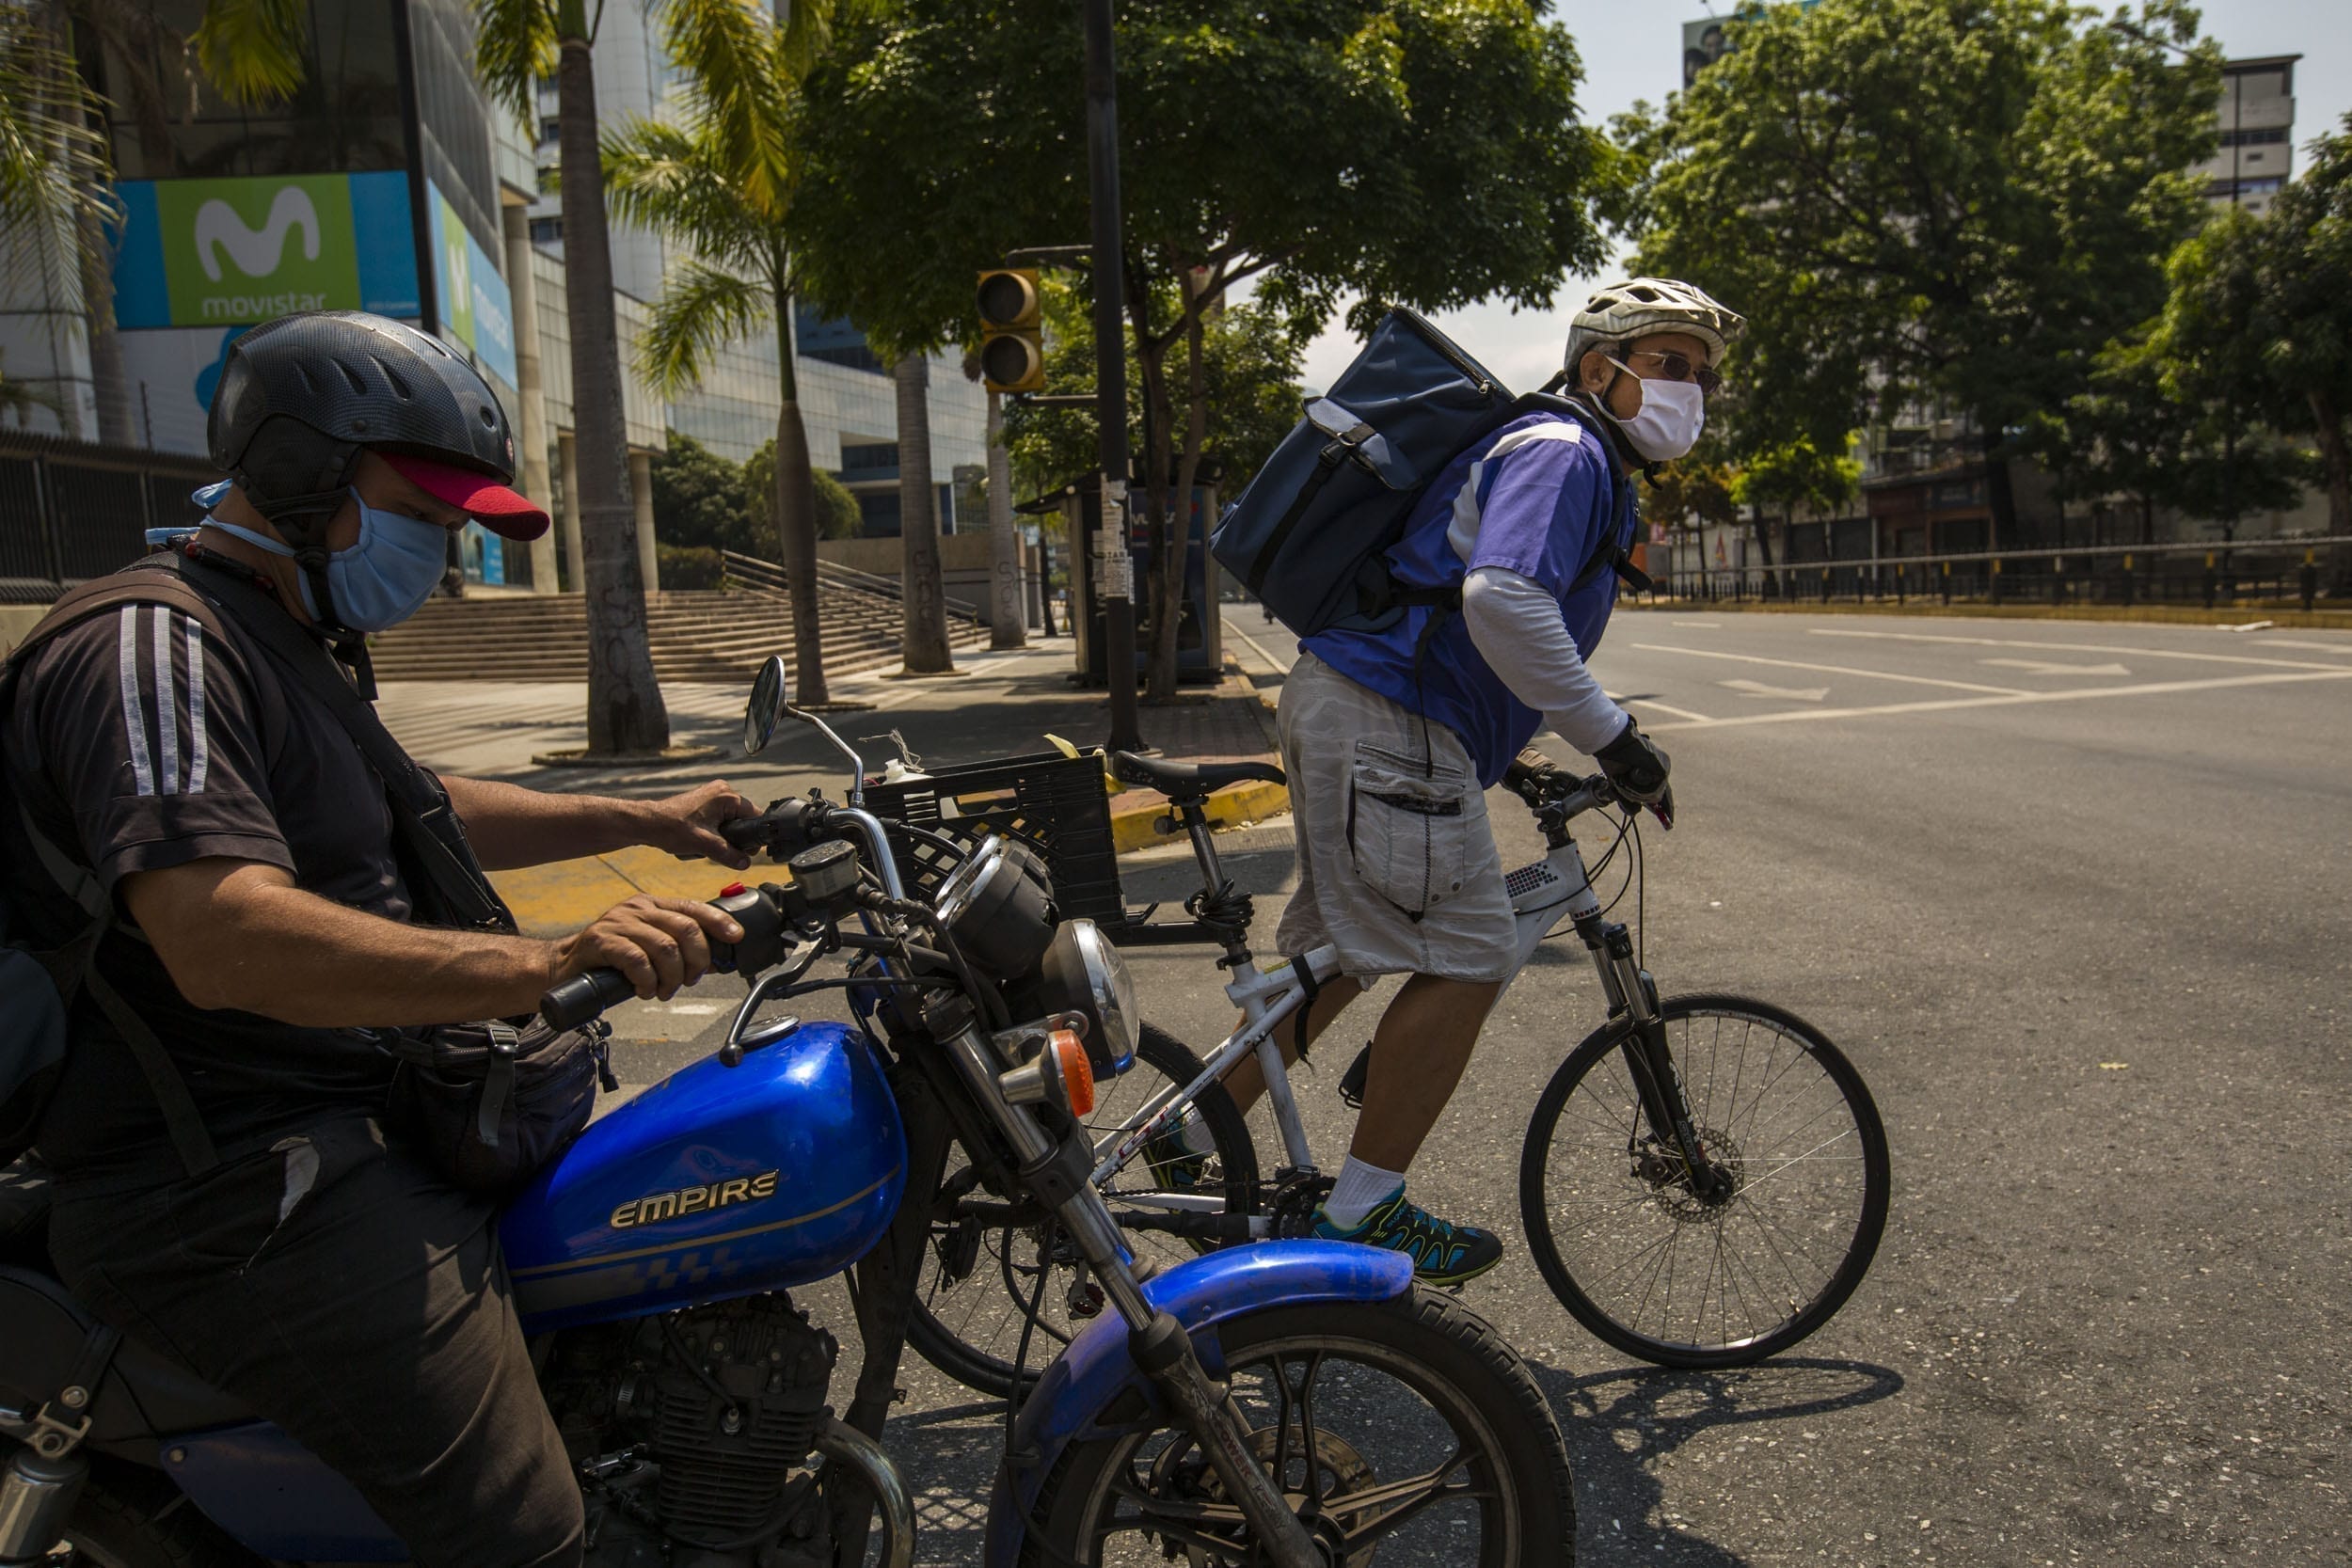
{"x": 783, "y": 828}
{"x": 571, "y": 1002}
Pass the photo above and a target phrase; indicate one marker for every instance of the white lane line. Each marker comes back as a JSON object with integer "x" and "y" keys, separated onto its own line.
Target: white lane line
{"x": 2042, "y": 667}
{"x": 2321, "y": 647}
{"x": 1757, "y": 689}
{"x": 1946, "y": 705}
{"x": 1831, "y": 669}
{"x": 2108, "y": 648}
{"x": 1656, "y": 706}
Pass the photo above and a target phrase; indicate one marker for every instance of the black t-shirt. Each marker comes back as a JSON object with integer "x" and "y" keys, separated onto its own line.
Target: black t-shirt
{"x": 138, "y": 741}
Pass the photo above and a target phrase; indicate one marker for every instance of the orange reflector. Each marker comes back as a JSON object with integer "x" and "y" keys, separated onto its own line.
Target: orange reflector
{"x": 1077, "y": 1073}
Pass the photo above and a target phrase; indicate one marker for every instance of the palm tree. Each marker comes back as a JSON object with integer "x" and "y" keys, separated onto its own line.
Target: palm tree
{"x": 56, "y": 173}
{"x": 516, "y": 43}
{"x": 720, "y": 179}
{"x": 922, "y": 590}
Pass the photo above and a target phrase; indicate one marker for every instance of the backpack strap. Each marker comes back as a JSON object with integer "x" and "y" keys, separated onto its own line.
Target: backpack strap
{"x": 73, "y": 968}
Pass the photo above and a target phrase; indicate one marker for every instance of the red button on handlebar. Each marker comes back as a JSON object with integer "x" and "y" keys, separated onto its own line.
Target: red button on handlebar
{"x": 732, "y": 889}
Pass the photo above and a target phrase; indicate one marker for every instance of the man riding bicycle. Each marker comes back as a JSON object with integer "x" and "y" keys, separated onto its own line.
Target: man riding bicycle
{"x": 1392, "y": 738}
{"x": 266, "y": 940}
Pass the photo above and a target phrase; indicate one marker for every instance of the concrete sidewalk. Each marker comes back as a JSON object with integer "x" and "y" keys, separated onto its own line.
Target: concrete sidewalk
{"x": 997, "y": 706}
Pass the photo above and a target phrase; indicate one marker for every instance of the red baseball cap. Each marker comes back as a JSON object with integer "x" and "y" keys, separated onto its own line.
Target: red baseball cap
{"x": 502, "y": 511}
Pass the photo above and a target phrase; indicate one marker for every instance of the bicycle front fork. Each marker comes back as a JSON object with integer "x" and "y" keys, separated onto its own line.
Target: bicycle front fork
{"x": 1633, "y": 1007}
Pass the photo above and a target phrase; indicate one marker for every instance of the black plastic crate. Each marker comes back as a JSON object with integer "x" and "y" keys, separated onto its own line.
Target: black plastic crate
{"x": 1054, "y": 804}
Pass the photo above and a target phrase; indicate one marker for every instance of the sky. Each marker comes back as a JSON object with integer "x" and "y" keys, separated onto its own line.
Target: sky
{"x": 1635, "y": 52}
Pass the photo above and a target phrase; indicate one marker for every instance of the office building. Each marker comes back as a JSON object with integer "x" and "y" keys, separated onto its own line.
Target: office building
{"x": 2256, "y": 114}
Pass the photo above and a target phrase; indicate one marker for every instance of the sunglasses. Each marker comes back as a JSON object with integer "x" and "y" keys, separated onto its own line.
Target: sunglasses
{"x": 1679, "y": 367}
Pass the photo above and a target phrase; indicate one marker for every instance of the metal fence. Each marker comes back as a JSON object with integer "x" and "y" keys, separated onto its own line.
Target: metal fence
{"x": 72, "y": 510}
{"x": 2312, "y": 573}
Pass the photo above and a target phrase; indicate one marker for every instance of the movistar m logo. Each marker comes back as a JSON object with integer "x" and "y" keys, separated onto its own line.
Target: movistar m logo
{"x": 257, "y": 253}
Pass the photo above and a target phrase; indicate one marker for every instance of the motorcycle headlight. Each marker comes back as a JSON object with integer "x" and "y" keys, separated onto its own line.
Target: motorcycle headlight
{"x": 996, "y": 907}
{"x": 1083, "y": 973}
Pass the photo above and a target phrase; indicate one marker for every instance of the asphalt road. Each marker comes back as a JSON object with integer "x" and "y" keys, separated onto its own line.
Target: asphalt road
{"x": 2078, "y": 900}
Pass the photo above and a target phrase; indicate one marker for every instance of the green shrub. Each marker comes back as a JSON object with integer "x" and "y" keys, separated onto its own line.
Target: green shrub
{"x": 685, "y": 567}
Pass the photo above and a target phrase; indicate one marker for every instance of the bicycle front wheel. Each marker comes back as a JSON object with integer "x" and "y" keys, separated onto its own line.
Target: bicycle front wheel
{"x": 1647, "y": 1263}
{"x": 980, "y": 1277}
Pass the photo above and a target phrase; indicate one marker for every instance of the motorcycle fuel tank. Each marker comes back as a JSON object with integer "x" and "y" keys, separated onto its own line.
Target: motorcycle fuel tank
{"x": 717, "y": 1181}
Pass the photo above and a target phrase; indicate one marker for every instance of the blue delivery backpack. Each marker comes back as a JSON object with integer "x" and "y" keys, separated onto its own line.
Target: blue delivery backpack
{"x": 1311, "y": 534}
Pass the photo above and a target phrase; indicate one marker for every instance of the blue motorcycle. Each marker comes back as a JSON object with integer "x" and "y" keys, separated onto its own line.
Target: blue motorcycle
{"x": 1296, "y": 1402}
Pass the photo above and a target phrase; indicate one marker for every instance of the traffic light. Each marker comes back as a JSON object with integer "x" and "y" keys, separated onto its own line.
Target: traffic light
{"x": 1013, "y": 348}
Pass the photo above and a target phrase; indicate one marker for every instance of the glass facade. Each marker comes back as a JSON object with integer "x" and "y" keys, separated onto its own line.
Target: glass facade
{"x": 167, "y": 124}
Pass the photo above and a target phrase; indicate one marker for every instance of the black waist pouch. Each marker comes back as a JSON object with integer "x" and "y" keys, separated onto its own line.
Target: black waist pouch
{"x": 489, "y": 1103}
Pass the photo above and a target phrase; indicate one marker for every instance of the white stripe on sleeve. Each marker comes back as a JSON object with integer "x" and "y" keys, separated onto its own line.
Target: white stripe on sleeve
{"x": 134, "y": 711}
{"x": 200, "y": 747}
{"x": 167, "y": 709}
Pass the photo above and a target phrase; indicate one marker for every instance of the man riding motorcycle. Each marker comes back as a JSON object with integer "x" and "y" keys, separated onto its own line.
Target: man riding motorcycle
{"x": 320, "y": 1272}
{"x": 1390, "y": 738}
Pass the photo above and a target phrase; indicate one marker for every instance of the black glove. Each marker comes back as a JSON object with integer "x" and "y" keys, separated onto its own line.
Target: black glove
{"x": 1636, "y": 767}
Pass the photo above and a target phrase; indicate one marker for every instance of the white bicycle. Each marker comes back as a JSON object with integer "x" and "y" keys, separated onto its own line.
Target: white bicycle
{"x": 1704, "y": 1181}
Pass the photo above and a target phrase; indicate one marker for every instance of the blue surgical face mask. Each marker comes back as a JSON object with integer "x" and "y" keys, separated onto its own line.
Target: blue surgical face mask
{"x": 381, "y": 580}
{"x": 205, "y": 496}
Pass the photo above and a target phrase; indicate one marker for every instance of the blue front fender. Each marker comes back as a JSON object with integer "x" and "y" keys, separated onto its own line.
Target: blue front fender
{"x": 1075, "y": 1392}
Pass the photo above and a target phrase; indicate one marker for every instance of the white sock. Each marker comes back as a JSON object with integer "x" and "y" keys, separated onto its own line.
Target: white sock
{"x": 1359, "y": 1190}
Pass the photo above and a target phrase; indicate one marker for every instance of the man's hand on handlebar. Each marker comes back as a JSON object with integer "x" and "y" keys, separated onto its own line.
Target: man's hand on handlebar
{"x": 1635, "y": 766}
{"x": 662, "y": 944}
{"x": 689, "y": 825}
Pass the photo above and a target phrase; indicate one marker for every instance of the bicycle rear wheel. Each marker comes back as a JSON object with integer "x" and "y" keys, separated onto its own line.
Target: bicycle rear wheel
{"x": 978, "y": 1279}
{"x": 1650, "y": 1267}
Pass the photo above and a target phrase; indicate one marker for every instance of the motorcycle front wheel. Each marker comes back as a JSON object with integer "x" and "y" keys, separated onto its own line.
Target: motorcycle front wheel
{"x": 1403, "y": 1430}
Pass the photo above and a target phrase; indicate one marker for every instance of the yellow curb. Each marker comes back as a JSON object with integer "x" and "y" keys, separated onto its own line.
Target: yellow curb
{"x": 1137, "y": 827}
{"x": 2178, "y": 615}
{"x": 558, "y": 899}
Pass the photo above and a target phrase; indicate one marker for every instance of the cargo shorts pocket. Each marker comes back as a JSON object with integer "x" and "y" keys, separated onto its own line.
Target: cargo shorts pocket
{"x": 1410, "y": 827}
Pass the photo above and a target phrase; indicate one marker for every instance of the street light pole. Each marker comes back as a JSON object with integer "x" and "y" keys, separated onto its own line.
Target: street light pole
{"x": 1114, "y": 566}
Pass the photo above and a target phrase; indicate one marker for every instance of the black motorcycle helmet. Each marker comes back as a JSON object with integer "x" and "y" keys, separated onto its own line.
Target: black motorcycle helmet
{"x": 301, "y": 396}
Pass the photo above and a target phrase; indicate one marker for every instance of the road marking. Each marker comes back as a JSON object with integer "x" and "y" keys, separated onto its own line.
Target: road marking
{"x": 2321, "y": 647}
{"x": 2039, "y": 667}
{"x": 1831, "y": 669}
{"x": 1757, "y": 689}
{"x": 696, "y": 1009}
{"x": 2110, "y": 648}
{"x": 2154, "y": 688}
{"x": 1657, "y": 706}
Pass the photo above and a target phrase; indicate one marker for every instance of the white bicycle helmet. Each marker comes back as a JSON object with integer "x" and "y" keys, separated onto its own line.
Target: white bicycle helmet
{"x": 1619, "y": 311}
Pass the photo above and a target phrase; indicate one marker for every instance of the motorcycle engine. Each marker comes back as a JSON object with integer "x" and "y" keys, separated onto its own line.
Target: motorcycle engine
{"x": 693, "y": 1431}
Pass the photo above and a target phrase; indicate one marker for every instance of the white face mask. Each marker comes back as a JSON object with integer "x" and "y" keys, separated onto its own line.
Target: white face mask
{"x": 1668, "y": 424}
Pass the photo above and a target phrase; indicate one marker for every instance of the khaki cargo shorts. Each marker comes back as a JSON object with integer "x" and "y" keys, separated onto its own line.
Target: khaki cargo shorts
{"x": 1397, "y": 866}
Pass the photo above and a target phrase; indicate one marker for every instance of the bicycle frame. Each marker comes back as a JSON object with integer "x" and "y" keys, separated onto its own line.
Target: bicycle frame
{"x": 1543, "y": 894}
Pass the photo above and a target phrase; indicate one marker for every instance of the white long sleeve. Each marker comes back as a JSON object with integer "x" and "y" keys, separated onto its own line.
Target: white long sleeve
{"x": 1516, "y": 626}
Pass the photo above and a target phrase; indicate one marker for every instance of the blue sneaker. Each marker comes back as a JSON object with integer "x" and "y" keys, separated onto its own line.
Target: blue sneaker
{"x": 1173, "y": 1164}
{"x": 1443, "y": 1254}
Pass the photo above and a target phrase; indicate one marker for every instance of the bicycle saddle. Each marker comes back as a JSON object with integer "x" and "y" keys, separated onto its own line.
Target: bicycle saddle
{"x": 1190, "y": 781}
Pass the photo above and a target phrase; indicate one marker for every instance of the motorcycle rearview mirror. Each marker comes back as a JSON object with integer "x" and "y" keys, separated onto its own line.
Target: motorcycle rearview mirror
{"x": 765, "y": 706}
{"x": 857, "y": 767}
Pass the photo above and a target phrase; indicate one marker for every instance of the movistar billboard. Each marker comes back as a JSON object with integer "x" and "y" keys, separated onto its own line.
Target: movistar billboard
{"x": 226, "y": 252}
{"x": 477, "y": 308}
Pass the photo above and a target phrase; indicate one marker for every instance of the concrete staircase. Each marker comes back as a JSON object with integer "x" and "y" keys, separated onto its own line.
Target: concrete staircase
{"x": 703, "y": 635}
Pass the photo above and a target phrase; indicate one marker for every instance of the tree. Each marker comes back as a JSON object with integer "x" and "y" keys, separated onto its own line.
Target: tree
{"x": 2305, "y": 318}
{"x": 837, "y": 513}
{"x": 56, "y": 174}
{"x": 1957, "y": 201}
{"x": 1251, "y": 357}
{"x": 699, "y": 498}
{"x": 722, "y": 180}
{"x": 1795, "y": 473}
{"x": 517, "y": 42}
{"x": 922, "y": 584}
{"x": 2175, "y": 412}
{"x": 1415, "y": 151}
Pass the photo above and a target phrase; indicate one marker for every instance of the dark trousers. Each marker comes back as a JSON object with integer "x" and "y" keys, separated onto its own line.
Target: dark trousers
{"x": 341, "y": 1289}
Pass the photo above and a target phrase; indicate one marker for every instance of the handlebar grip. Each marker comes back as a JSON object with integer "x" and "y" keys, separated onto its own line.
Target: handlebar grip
{"x": 572, "y": 1003}
{"x": 747, "y": 832}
